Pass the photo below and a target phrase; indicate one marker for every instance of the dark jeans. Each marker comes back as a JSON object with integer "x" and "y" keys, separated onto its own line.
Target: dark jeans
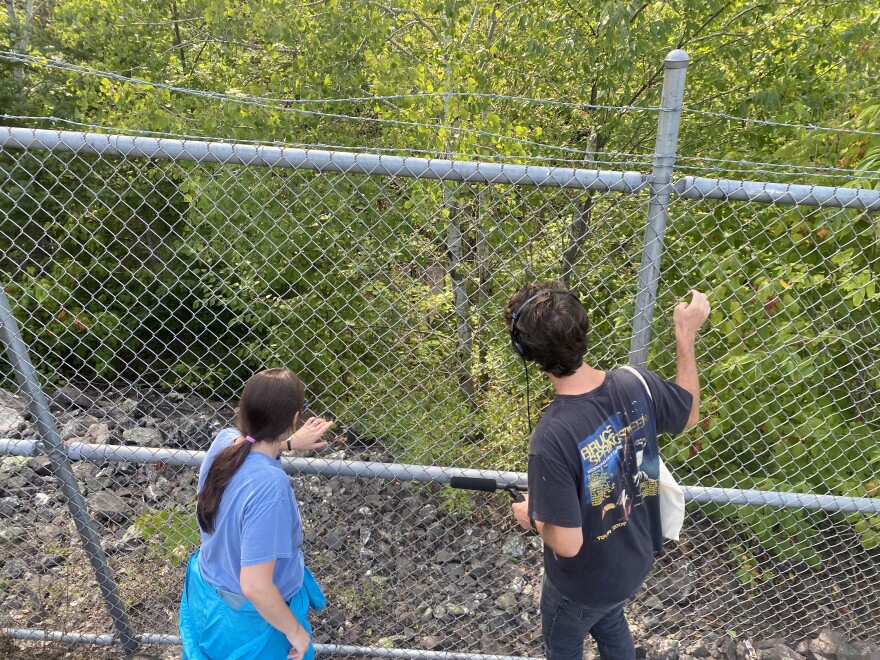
{"x": 566, "y": 623}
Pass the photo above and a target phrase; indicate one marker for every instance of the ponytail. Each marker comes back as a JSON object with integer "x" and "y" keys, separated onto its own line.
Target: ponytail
{"x": 220, "y": 474}
{"x": 266, "y": 411}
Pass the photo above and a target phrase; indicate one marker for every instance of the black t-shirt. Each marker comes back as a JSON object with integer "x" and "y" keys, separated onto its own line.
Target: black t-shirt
{"x": 594, "y": 463}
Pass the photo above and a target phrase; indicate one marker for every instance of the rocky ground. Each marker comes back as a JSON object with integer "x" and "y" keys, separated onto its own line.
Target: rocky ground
{"x": 401, "y": 565}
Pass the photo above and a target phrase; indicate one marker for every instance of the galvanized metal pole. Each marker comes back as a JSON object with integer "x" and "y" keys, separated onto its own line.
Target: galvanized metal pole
{"x": 658, "y": 205}
{"x": 54, "y": 448}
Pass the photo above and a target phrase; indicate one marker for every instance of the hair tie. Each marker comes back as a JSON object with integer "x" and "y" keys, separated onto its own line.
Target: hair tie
{"x": 250, "y": 439}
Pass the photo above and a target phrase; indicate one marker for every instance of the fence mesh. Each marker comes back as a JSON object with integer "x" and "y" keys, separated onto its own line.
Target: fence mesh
{"x": 149, "y": 290}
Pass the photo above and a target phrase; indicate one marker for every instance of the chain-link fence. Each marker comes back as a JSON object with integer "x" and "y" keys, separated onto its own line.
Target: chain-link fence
{"x": 150, "y": 278}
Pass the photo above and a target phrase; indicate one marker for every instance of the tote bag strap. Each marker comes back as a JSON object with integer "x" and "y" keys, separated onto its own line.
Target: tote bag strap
{"x": 641, "y": 378}
{"x": 671, "y": 495}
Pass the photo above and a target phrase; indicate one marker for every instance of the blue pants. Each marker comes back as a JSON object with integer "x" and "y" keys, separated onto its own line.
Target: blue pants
{"x": 565, "y": 624}
{"x": 215, "y": 624}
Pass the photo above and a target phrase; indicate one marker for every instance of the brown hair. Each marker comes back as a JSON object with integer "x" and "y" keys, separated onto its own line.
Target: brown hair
{"x": 266, "y": 410}
{"x": 553, "y": 327}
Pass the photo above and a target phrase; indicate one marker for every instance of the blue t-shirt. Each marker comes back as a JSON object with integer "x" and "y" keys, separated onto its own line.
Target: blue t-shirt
{"x": 257, "y": 521}
{"x": 594, "y": 463}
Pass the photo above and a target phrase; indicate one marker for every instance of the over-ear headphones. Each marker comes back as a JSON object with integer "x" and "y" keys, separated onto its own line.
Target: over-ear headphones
{"x": 515, "y": 337}
{"x": 519, "y": 345}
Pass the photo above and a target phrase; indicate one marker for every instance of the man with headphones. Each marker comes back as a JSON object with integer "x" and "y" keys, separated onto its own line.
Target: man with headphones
{"x": 594, "y": 467}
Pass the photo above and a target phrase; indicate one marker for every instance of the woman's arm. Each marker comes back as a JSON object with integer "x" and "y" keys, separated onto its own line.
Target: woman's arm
{"x": 259, "y": 588}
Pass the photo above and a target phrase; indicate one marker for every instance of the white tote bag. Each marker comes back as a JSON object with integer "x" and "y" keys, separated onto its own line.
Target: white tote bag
{"x": 671, "y": 495}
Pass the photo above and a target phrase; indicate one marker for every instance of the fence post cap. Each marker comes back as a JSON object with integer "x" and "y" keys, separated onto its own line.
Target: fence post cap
{"x": 677, "y": 59}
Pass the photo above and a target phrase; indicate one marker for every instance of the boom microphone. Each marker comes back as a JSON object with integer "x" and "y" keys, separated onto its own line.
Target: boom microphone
{"x": 486, "y": 485}
{"x": 474, "y": 483}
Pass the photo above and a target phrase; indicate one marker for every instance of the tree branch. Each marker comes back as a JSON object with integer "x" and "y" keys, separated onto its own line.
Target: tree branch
{"x": 404, "y": 12}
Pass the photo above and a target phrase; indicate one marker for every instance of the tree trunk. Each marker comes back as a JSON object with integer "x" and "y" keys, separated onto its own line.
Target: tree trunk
{"x": 19, "y": 33}
{"x": 577, "y": 235}
{"x": 483, "y": 290}
{"x": 464, "y": 331}
{"x": 581, "y": 218}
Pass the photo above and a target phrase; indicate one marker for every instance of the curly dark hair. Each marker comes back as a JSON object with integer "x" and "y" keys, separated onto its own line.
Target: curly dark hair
{"x": 552, "y": 327}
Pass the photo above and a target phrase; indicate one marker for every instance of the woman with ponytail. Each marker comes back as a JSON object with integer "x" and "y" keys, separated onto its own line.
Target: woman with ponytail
{"x": 247, "y": 590}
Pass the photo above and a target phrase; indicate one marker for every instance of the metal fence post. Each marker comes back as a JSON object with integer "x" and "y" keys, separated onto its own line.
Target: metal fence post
{"x": 661, "y": 186}
{"x": 54, "y": 448}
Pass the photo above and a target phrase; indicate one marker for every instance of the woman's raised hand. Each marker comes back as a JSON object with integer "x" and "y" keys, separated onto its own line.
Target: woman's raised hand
{"x": 309, "y": 434}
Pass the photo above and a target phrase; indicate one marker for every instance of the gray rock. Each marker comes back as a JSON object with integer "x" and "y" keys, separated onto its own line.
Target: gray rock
{"x": 445, "y": 556}
{"x": 106, "y": 505}
{"x": 517, "y": 585}
{"x": 496, "y": 623}
{"x": 183, "y": 495}
{"x": 49, "y": 533}
{"x": 14, "y": 484}
{"x": 827, "y": 642}
{"x": 10, "y": 400}
{"x": 98, "y": 434}
{"x": 780, "y": 651}
{"x": 514, "y": 545}
{"x": 73, "y": 428}
{"x": 130, "y": 408}
{"x": 15, "y": 568}
{"x": 699, "y": 651}
{"x": 13, "y": 464}
{"x": 9, "y": 506}
{"x": 10, "y": 604}
{"x": 654, "y": 603}
{"x": 126, "y": 468}
{"x": 506, "y": 602}
{"x": 728, "y": 649}
{"x": 11, "y": 533}
{"x": 674, "y": 583}
{"x": 12, "y": 422}
{"x": 45, "y": 561}
{"x": 69, "y": 398}
{"x": 664, "y": 650}
{"x": 132, "y": 536}
{"x": 163, "y": 486}
{"x": 858, "y": 650}
{"x": 432, "y": 643}
{"x": 143, "y": 437}
{"x": 192, "y": 433}
{"x": 769, "y": 643}
{"x": 40, "y": 466}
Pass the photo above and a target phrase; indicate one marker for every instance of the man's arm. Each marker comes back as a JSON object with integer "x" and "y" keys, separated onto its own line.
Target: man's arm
{"x": 688, "y": 317}
{"x": 564, "y": 541}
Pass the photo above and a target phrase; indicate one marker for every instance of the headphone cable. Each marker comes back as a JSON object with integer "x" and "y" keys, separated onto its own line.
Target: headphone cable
{"x": 528, "y": 397}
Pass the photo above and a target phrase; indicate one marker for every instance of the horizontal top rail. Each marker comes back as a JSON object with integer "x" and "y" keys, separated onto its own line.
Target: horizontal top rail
{"x": 794, "y": 194}
{"x": 81, "y": 451}
{"x": 321, "y": 161}
{"x": 318, "y": 160}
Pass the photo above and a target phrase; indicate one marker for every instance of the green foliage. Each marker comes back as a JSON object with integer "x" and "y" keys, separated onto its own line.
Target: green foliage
{"x": 193, "y": 276}
{"x": 172, "y": 534}
{"x": 793, "y": 367}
